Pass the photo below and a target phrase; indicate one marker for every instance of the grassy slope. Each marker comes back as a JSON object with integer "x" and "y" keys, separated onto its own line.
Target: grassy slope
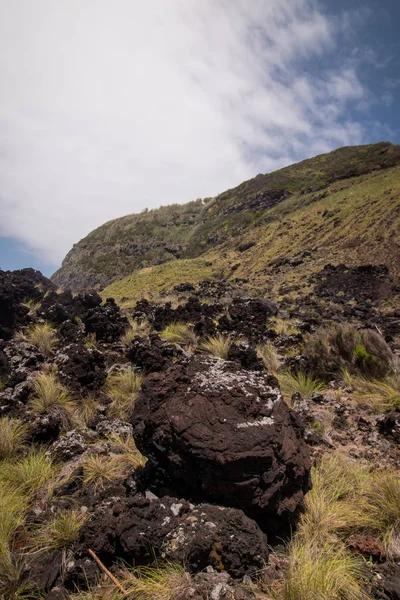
{"x": 131, "y": 243}
{"x": 357, "y": 222}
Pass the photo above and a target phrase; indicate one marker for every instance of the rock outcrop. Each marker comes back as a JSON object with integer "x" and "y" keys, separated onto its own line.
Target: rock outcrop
{"x": 224, "y": 434}
{"x": 140, "y": 529}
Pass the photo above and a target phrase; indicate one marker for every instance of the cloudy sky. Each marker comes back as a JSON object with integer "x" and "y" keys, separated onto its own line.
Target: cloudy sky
{"x": 110, "y": 106}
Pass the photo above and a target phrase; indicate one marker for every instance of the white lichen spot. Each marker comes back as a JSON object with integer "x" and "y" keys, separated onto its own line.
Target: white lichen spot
{"x": 176, "y": 509}
{"x": 217, "y": 591}
{"x": 248, "y": 383}
{"x": 259, "y": 423}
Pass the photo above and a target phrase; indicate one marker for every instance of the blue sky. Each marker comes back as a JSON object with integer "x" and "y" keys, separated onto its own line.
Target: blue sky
{"x": 111, "y": 106}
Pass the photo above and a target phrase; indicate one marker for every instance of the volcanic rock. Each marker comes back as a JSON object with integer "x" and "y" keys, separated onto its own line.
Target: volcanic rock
{"x": 248, "y": 317}
{"x": 389, "y": 581}
{"x": 81, "y": 368}
{"x": 140, "y": 529}
{"x": 152, "y": 354}
{"x": 106, "y": 322}
{"x": 389, "y": 425}
{"x": 16, "y": 287}
{"x": 225, "y": 434}
{"x": 4, "y": 364}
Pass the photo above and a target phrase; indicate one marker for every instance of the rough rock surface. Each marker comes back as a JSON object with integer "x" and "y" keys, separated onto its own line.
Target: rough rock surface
{"x": 81, "y": 368}
{"x": 152, "y": 354}
{"x": 389, "y": 582}
{"x": 161, "y": 316}
{"x": 248, "y": 317}
{"x": 17, "y": 287}
{"x": 225, "y": 434}
{"x": 140, "y": 529}
{"x": 4, "y": 364}
{"x": 106, "y": 322}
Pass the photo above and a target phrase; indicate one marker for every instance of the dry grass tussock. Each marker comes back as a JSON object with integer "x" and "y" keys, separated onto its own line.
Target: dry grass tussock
{"x": 28, "y": 474}
{"x": 218, "y": 346}
{"x": 13, "y": 435}
{"x": 347, "y": 498}
{"x": 302, "y": 383}
{"x": 21, "y": 481}
{"x": 381, "y": 394}
{"x": 332, "y": 506}
{"x": 32, "y": 305}
{"x": 41, "y": 335}
{"x": 169, "y": 582}
{"x": 181, "y": 334}
{"x": 380, "y": 505}
{"x": 61, "y": 531}
{"x": 51, "y": 396}
{"x": 166, "y": 582}
{"x": 270, "y": 357}
{"x": 123, "y": 388}
{"x": 135, "y": 329}
{"x": 13, "y": 508}
{"x": 329, "y": 572}
{"x": 87, "y": 409}
{"x": 100, "y": 469}
{"x": 283, "y": 326}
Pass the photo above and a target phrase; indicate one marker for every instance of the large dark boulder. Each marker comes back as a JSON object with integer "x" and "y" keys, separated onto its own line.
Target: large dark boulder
{"x": 141, "y": 530}
{"x": 225, "y": 434}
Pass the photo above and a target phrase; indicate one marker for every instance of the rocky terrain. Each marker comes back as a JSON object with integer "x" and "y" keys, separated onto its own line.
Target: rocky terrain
{"x": 209, "y": 444}
{"x": 203, "y": 403}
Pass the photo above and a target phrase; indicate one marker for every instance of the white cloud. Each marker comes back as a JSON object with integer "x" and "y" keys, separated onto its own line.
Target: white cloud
{"x": 109, "y": 106}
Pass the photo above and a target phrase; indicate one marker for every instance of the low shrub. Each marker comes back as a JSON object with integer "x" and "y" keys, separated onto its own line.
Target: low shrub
{"x": 333, "y": 349}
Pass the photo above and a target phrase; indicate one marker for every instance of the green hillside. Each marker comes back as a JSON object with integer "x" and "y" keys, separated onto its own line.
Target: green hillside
{"x": 341, "y": 206}
{"x": 355, "y": 222}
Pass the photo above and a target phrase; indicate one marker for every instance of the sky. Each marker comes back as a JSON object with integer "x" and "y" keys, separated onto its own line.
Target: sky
{"x": 111, "y": 106}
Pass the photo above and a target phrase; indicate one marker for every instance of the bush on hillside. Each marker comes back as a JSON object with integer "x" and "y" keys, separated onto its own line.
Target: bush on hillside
{"x": 340, "y": 347}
